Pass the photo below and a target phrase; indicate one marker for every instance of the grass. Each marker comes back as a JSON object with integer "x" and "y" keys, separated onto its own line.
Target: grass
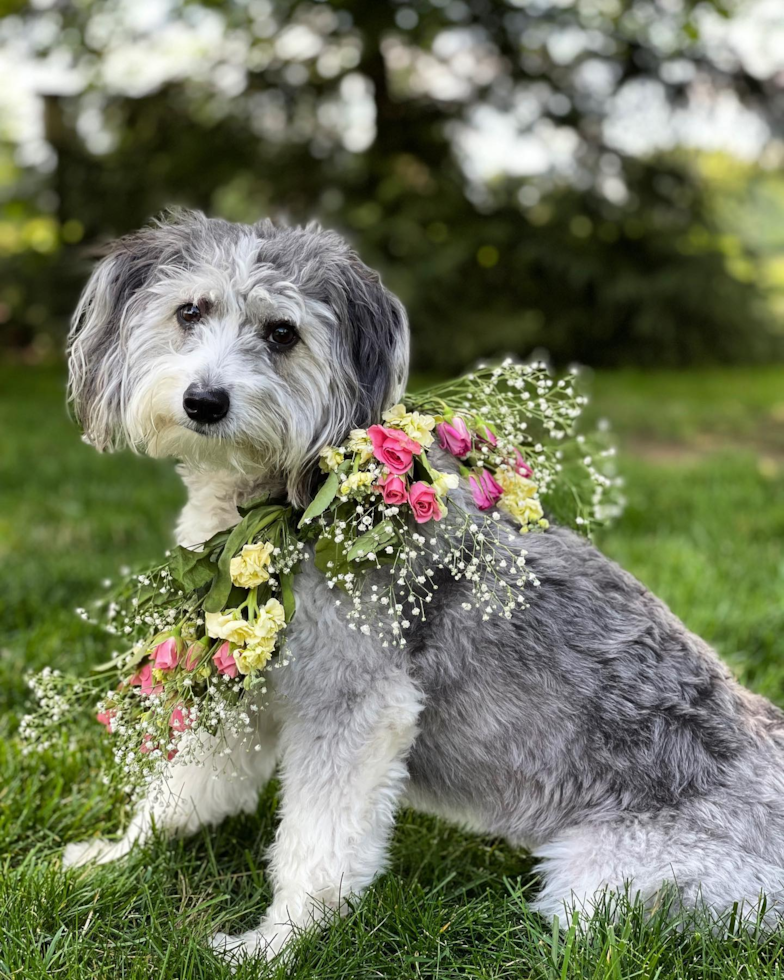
{"x": 705, "y": 473}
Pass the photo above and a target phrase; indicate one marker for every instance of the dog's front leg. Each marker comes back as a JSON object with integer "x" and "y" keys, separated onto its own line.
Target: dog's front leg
{"x": 343, "y": 771}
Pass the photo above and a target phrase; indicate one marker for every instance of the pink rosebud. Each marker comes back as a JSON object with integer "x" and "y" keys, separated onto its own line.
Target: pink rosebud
{"x": 193, "y": 656}
{"x": 107, "y": 718}
{"x": 393, "y": 448}
{"x": 454, "y": 437}
{"x": 486, "y": 434}
{"x": 485, "y": 489}
{"x": 521, "y": 467}
{"x": 393, "y": 490}
{"x": 166, "y": 655}
{"x": 224, "y": 661}
{"x": 145, "y": 681}
{"x": 180, "y": 719}
{"x": 424, "y": 503}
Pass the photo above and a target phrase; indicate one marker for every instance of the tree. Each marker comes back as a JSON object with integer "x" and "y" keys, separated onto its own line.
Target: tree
{"x": 364, "y": 114}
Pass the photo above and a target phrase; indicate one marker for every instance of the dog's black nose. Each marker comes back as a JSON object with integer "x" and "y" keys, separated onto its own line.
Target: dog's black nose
{"x": 205, "y": 405}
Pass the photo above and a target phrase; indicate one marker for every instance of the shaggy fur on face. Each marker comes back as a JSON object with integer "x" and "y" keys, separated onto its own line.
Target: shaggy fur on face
{"x": 591, "y": 728}
{"x": 132, "y": 360}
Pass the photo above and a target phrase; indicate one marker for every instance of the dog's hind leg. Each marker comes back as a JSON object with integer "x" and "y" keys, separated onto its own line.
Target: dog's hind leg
{"x": 222, "y": 780}
{"x": 648, "y": 857}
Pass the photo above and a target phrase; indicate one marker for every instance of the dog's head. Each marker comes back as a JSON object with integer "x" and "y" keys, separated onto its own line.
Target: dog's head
{"x": 248, "y": 347}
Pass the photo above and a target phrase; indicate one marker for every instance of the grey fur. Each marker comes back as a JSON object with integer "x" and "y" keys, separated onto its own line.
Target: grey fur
{"x": 592, "y": 728}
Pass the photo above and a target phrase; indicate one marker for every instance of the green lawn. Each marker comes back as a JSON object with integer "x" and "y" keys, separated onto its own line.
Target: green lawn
{"x": 705, "y": 474}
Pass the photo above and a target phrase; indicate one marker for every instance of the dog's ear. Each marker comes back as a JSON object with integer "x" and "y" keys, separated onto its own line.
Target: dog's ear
{"x": 375, "y": 329}
{"x": 97, "y": 341}
{"x": 372, "y": 344}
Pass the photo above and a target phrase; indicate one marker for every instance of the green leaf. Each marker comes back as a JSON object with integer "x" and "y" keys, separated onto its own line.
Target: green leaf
{"x": 322, "y": 500}
{"x": 254, "y": 504}
{"x": 199, "y": 575}
{"x": 182, "y": 560}
{"x": 250, "y": 525}
{"x": 192, "y": 569}
{"x": 287, "y": 595}
{"x": 425, "y": 464}
{"x": 377, "y": 537}
{"x": 328, "y": 550}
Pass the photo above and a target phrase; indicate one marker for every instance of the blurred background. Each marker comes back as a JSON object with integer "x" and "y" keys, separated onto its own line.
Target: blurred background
{"x": 601, "y": 178}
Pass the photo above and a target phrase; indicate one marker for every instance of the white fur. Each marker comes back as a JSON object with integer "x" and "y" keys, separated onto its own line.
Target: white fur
{"x": 220, "y": 779}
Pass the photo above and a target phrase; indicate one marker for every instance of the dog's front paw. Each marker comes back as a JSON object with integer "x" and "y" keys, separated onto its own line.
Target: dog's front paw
{"x": 97, "y": 851}
{"x": 266, "y": 942}
{"x": 83, "y": 852}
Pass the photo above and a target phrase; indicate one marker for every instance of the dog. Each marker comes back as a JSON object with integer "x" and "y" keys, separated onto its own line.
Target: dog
{"x": 590, "y": 728}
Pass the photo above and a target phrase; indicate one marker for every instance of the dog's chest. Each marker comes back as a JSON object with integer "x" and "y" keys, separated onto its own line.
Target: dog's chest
{"x": 212, "y": 505}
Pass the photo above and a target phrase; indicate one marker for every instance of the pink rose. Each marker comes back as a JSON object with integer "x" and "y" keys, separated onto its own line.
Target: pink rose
{"x": 485, "y": 489}
{"x": 424, "y": 503}
{"x": 521, "y": 467}
{"x": 393, "y": 448}
{"x": 180, "y": 719}
{"x": 393, "y": 490}
{"x": 166, "y": 655}
{"x": 224, "y": 661}
{"x": 193, "y": 656}
{"x": 454, "y": 437}
{"x": 107, "y": 718}
{"x": 144, "y": 680}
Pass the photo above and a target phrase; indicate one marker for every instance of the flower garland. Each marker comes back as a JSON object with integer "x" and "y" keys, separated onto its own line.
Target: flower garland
{"x": 206, "y": 626}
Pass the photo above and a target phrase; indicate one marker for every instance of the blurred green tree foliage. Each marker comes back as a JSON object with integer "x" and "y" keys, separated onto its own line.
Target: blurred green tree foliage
{"x": 364, "y": 114}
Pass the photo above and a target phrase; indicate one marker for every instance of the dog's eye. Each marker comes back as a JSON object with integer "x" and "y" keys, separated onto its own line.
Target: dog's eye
{"x": 281, "y": 334}
{"x": 188, "y": 314}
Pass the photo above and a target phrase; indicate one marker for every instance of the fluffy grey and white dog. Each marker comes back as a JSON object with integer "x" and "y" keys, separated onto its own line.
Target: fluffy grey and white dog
{"x": 592, "y": 728}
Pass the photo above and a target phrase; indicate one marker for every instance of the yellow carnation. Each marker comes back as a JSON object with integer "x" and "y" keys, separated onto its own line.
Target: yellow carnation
{"x": 270, "y": 620}
{"x": 444, "y": 482}
{"x": 416, "y": 426}
{"x": 525, "y": 511}
{"x": 396, "y": 414}
{"x": 528, "y": 511}
{"x": 255, "y": 655}
{"x": 520, "y": 498}
{"x": 228, "y": 625}
{"x": 251, "y": 566}
{"x": 359, "y": 443}
{"x": 357, "y": 483}
{"x": 331, "y": 457}
{"x": 514, "y": 484}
